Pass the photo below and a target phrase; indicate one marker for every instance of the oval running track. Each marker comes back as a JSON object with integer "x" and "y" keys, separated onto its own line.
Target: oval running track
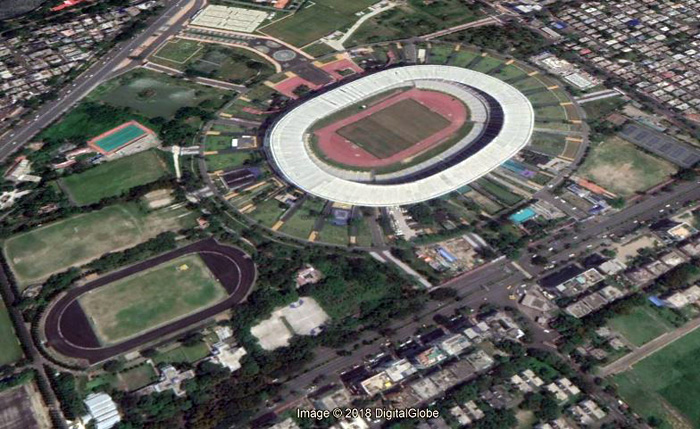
{"x": 68, "y": 330}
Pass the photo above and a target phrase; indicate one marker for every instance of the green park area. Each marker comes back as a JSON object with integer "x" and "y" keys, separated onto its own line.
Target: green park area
{"x": 10, "y": 349}
{"x": 137, "y": 377}
{"x": 639, "y": 325}
{"x": 226, "y": 161}
{"x": 115, "y": 177}
{"x": 316, "y": 19}
{"x": 500, "y": 192}
{"x": 154, "y": 94}
{"x": 235, "y": 65}
{"x": 548, "y": 143}
{"x": 621, "y": 168}
{"x": 35, "y": 255}
{"x": 183, "y": 353}
{"x": 666, "y": 384}
{"x": 151, "y": 298}
{"x": 304, "y": 219}
{"x": 268, "y": 212}
{"x": 599, "y": 109}
{"x": 413, "y": 18}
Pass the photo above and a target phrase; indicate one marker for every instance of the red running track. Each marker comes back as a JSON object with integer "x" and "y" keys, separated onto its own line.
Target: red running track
{"x": 343, "y": 151}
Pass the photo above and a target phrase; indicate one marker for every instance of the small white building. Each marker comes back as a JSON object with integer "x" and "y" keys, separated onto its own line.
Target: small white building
{"x": 102, "y": 409}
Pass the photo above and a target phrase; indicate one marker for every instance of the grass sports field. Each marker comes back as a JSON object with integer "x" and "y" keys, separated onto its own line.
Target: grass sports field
{"x": 114, "y": 178}
{"x": 151, "y": 298}
{"x": 666, "y": 384}
{"x": 178, "y": 51}
{"x": 36, "y": 254}
{"x": 620, "y": 167}
{"x": 10, "y": 350}
{"x": 395, "y": 128}
{"x": 640, "y": 325}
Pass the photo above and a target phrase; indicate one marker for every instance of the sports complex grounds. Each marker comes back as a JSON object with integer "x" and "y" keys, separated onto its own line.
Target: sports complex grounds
{"x": 401, "y": 136}
{"x": 148, "y": 302}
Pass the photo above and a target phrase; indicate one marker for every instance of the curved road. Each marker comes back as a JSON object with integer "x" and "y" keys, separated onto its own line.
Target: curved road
{"x": 62, "y": 316}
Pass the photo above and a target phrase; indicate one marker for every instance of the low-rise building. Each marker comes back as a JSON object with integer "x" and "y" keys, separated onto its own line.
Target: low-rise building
{"x": 102, "y": 410}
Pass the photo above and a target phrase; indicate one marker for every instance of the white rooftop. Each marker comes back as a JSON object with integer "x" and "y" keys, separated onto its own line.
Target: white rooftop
{"x": 288, "y": 149}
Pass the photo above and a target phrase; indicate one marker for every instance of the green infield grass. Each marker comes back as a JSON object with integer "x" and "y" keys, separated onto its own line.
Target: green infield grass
{"x": 115, "y": 177}
{"x": 10, "y": 349}
{"x": 666, "y": 384}
{"x": 395, "y": 128}
{"x": 226, "y": 161}
{"x": 151, "y": 298}
{"x": 35, "y": 255}
{"x": 622, "y": 168}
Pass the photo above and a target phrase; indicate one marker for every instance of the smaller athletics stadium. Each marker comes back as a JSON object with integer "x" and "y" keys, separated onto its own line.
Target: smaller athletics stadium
{"x": 400, "y": 136}
{"x": 147, "y": 302}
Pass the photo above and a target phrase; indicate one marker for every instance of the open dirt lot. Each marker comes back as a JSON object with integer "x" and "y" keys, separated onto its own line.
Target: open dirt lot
{"x": 303, "y": 317}
{"x": 621, "y": 168}
{"x": 22, "y": 408}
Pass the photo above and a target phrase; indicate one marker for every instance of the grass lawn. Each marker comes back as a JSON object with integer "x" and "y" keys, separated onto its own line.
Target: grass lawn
{"x": 230, "y": 64}
{"x": 212, "y": 143}
{"x": 302, "y": 222}
{"x": 463, "y": 57}
{"x": 183, "y": 353}
{"x": 508, "y": 72}
{"x": 440, "y": 53}
{"x": 137, "y": 377}
{"x": 151, "y": 298}
{"x": 35, "y": 255}
{"x": 550, "y": 112}
{"x": 487, "y": 64}
{"x": 318, "y": 49}
{"x": 501, "y": 193}
{"x": 622, "y": 168}
{"x": 178, "y": 51}
{"x": 414, "y": 18}
{"x": 364, "y": 234}
{"x": 315, "y": 20}
{"x": 10, "y": 349}
{"x": 268, "y": 212}
{"x": 666, "y": 383}
{"x": 543, "y": 97}
{"x": 602, "y": 108}
{"x": 530, "y": 83}
{"x": 115, "y": 177}
{"x": 334, "y": 234}
{"x": 639, "y": 326}
{"x": 225, "y": 161}
{"x": 154, "y": 94}
{"x": 548, "y": 144}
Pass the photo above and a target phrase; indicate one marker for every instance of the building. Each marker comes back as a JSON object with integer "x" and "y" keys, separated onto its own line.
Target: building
{"x": 682, "y": 298}
{"x": 455, "y": 344}
{"x": 400, "y": 369}
{"x": 170, "y": 379}
{"x": 227, "y": 356}
{"x": 377, "y": 383}
{"x": 430, "y": 357}
{"x": 285, "y": 142}
{"x": 102, "y": 410}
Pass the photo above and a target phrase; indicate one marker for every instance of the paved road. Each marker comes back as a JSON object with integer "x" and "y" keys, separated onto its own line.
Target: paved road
{"x": 658, "y": 343}
{"x": 96, "y": 74}
{"x": 597, "y": 230}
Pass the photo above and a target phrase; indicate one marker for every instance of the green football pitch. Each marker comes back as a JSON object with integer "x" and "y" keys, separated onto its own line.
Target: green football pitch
{"x": 151, "y": 298}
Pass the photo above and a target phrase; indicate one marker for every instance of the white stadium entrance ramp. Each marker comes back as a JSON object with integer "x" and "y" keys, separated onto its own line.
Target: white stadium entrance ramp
{"x": 507, "y": 129}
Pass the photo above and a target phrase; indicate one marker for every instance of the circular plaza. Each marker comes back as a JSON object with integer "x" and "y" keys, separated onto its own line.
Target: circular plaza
{"x": 401, "y": 136}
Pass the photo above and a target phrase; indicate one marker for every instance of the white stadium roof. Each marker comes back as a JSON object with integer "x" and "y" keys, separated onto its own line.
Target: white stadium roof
{"x": 287, "y": 146}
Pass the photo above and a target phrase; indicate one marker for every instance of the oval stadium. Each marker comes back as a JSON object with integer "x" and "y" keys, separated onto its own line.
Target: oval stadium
{"x": 400, "y": 136}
